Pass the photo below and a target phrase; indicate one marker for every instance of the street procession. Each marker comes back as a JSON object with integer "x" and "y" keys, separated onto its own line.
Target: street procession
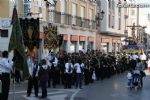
{"x": 74, "y": 50}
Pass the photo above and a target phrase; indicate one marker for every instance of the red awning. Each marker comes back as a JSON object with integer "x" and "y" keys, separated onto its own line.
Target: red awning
{"x": 82, "y": 38}
{"x": 65, "y": 37}
{"x": 74, "y": 38}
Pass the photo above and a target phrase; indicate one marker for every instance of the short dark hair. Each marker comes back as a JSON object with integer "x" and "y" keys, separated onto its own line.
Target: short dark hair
{"x": 5, "y": 54}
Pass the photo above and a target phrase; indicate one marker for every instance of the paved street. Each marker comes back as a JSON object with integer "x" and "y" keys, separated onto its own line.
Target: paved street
{"x": 114, "y": 88}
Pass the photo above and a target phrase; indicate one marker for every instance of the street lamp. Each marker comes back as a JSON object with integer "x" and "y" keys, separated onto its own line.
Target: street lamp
{"x": 99, "y": 17}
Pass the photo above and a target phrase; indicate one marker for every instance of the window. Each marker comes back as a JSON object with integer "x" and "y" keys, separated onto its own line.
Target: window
{"x": 132, "y": 12}
{"x": 109, "y": 4}
{"x": 119, "y": 11}
{"x": 63, "y": 6}
{"x": 63, "y": 11}
{"x": 119, "y": 23}
{"x": 113, "y": 5}
{"x": 82, "y": 15}
{"x": 74, "y": 7}
{"x": 4, "y": 33}
{"x": 113, "y": 21}
{"x": 90, "y": 17}
{"x": 109, "y": 24}
{"x": 148, "y": 17}
{"x": 40, "y": 9}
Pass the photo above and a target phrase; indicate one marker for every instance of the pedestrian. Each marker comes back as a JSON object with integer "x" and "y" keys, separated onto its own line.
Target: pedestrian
{"x": 78, "y": 66}
{"x": 33, "y": 68}
{"x": 43, "y": 77}
{"x": 68, "y": 74}
{"x": 129, "y": 77}
{"x": 52, "y": 61}
{"x": 148, "y": 65}
{"x": 5, "y": 70}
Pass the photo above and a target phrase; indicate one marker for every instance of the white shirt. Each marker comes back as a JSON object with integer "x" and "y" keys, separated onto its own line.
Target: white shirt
{"x": 129, "y": 76}
{"x": 5, "y": 65}
{"x": 31, "y": 67}
{"x": 143, "y": 57}
{"x": 78, "y": 67}
{"x": 48, "y": 58}
{"x": 67, "y": 65}
{"x": 135, "y": 57}
{"x": 148, "y": 63}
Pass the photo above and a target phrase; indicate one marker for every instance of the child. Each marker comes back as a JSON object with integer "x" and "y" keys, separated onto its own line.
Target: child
{"x": 129, "y": 77}
{"x": 148, "y": 65}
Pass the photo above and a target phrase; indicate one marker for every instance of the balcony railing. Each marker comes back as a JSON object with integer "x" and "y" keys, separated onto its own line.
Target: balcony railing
{"x": 67, "y": 19}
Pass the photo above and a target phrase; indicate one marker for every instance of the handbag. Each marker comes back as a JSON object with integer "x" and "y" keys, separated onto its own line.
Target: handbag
{"x": 94, "y": 76}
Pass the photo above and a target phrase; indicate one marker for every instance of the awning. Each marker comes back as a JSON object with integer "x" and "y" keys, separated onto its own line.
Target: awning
{"x": 90, "y": 39}
{"x": 113, "y": 34}
{"x": 65, "y": 37}
{"x": 82, "y": 38}
{"x": 74, "y": 38}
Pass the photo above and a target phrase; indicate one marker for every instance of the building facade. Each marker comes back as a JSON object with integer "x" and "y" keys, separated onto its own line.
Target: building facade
{"x": 112, "y": 27}
{"x": 75, "y": 20}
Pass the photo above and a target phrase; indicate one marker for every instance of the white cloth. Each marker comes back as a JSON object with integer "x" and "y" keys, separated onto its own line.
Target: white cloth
{"x": 5, "y": 65}
{"x": 78, "y": 67}
{"x": 67, "y": 67}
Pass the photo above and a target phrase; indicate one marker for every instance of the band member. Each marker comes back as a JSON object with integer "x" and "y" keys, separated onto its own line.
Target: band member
{"x": 79, "y": 73}
{"x": 5, "y": 70}
{"x": 68, "y": 74}
{"x": 33, "y": 78}
{"x": 43, "y": 77}
{"x": 52, "y": 61}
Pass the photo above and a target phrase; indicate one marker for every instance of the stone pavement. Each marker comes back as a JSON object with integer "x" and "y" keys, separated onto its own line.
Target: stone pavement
{"x": 114, "y": 88}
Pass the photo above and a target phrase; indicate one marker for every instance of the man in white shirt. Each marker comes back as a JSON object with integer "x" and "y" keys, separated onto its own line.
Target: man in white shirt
{"x": 68, "y": 74}
{"x": 52, "y": 62}
{"x": 5, "y": 70}
{"x": 79, "y": 71}
{"x": 33, "y": 68}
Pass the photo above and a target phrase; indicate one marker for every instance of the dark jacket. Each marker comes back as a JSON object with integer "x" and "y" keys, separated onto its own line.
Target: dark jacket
{"x": 43, "y": 73}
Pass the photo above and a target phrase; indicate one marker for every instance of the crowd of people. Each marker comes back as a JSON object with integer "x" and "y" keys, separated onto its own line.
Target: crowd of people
{"x": 71, "y": 70}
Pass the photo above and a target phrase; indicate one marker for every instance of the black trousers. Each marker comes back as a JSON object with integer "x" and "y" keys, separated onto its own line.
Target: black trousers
{"x": 68, "y": 80}
{"x": 43, "y": 85}
{"x": 52, "y": 78}
{"x": 32, "y": 82}
{"x": 5, "y": 78}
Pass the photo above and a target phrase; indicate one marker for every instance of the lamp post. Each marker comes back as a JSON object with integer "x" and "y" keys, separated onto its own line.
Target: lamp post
{"x": 99, "y": 17}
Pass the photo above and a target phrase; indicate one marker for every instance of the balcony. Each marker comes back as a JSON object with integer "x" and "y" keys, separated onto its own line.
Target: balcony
{"x": 68, "y": 20}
